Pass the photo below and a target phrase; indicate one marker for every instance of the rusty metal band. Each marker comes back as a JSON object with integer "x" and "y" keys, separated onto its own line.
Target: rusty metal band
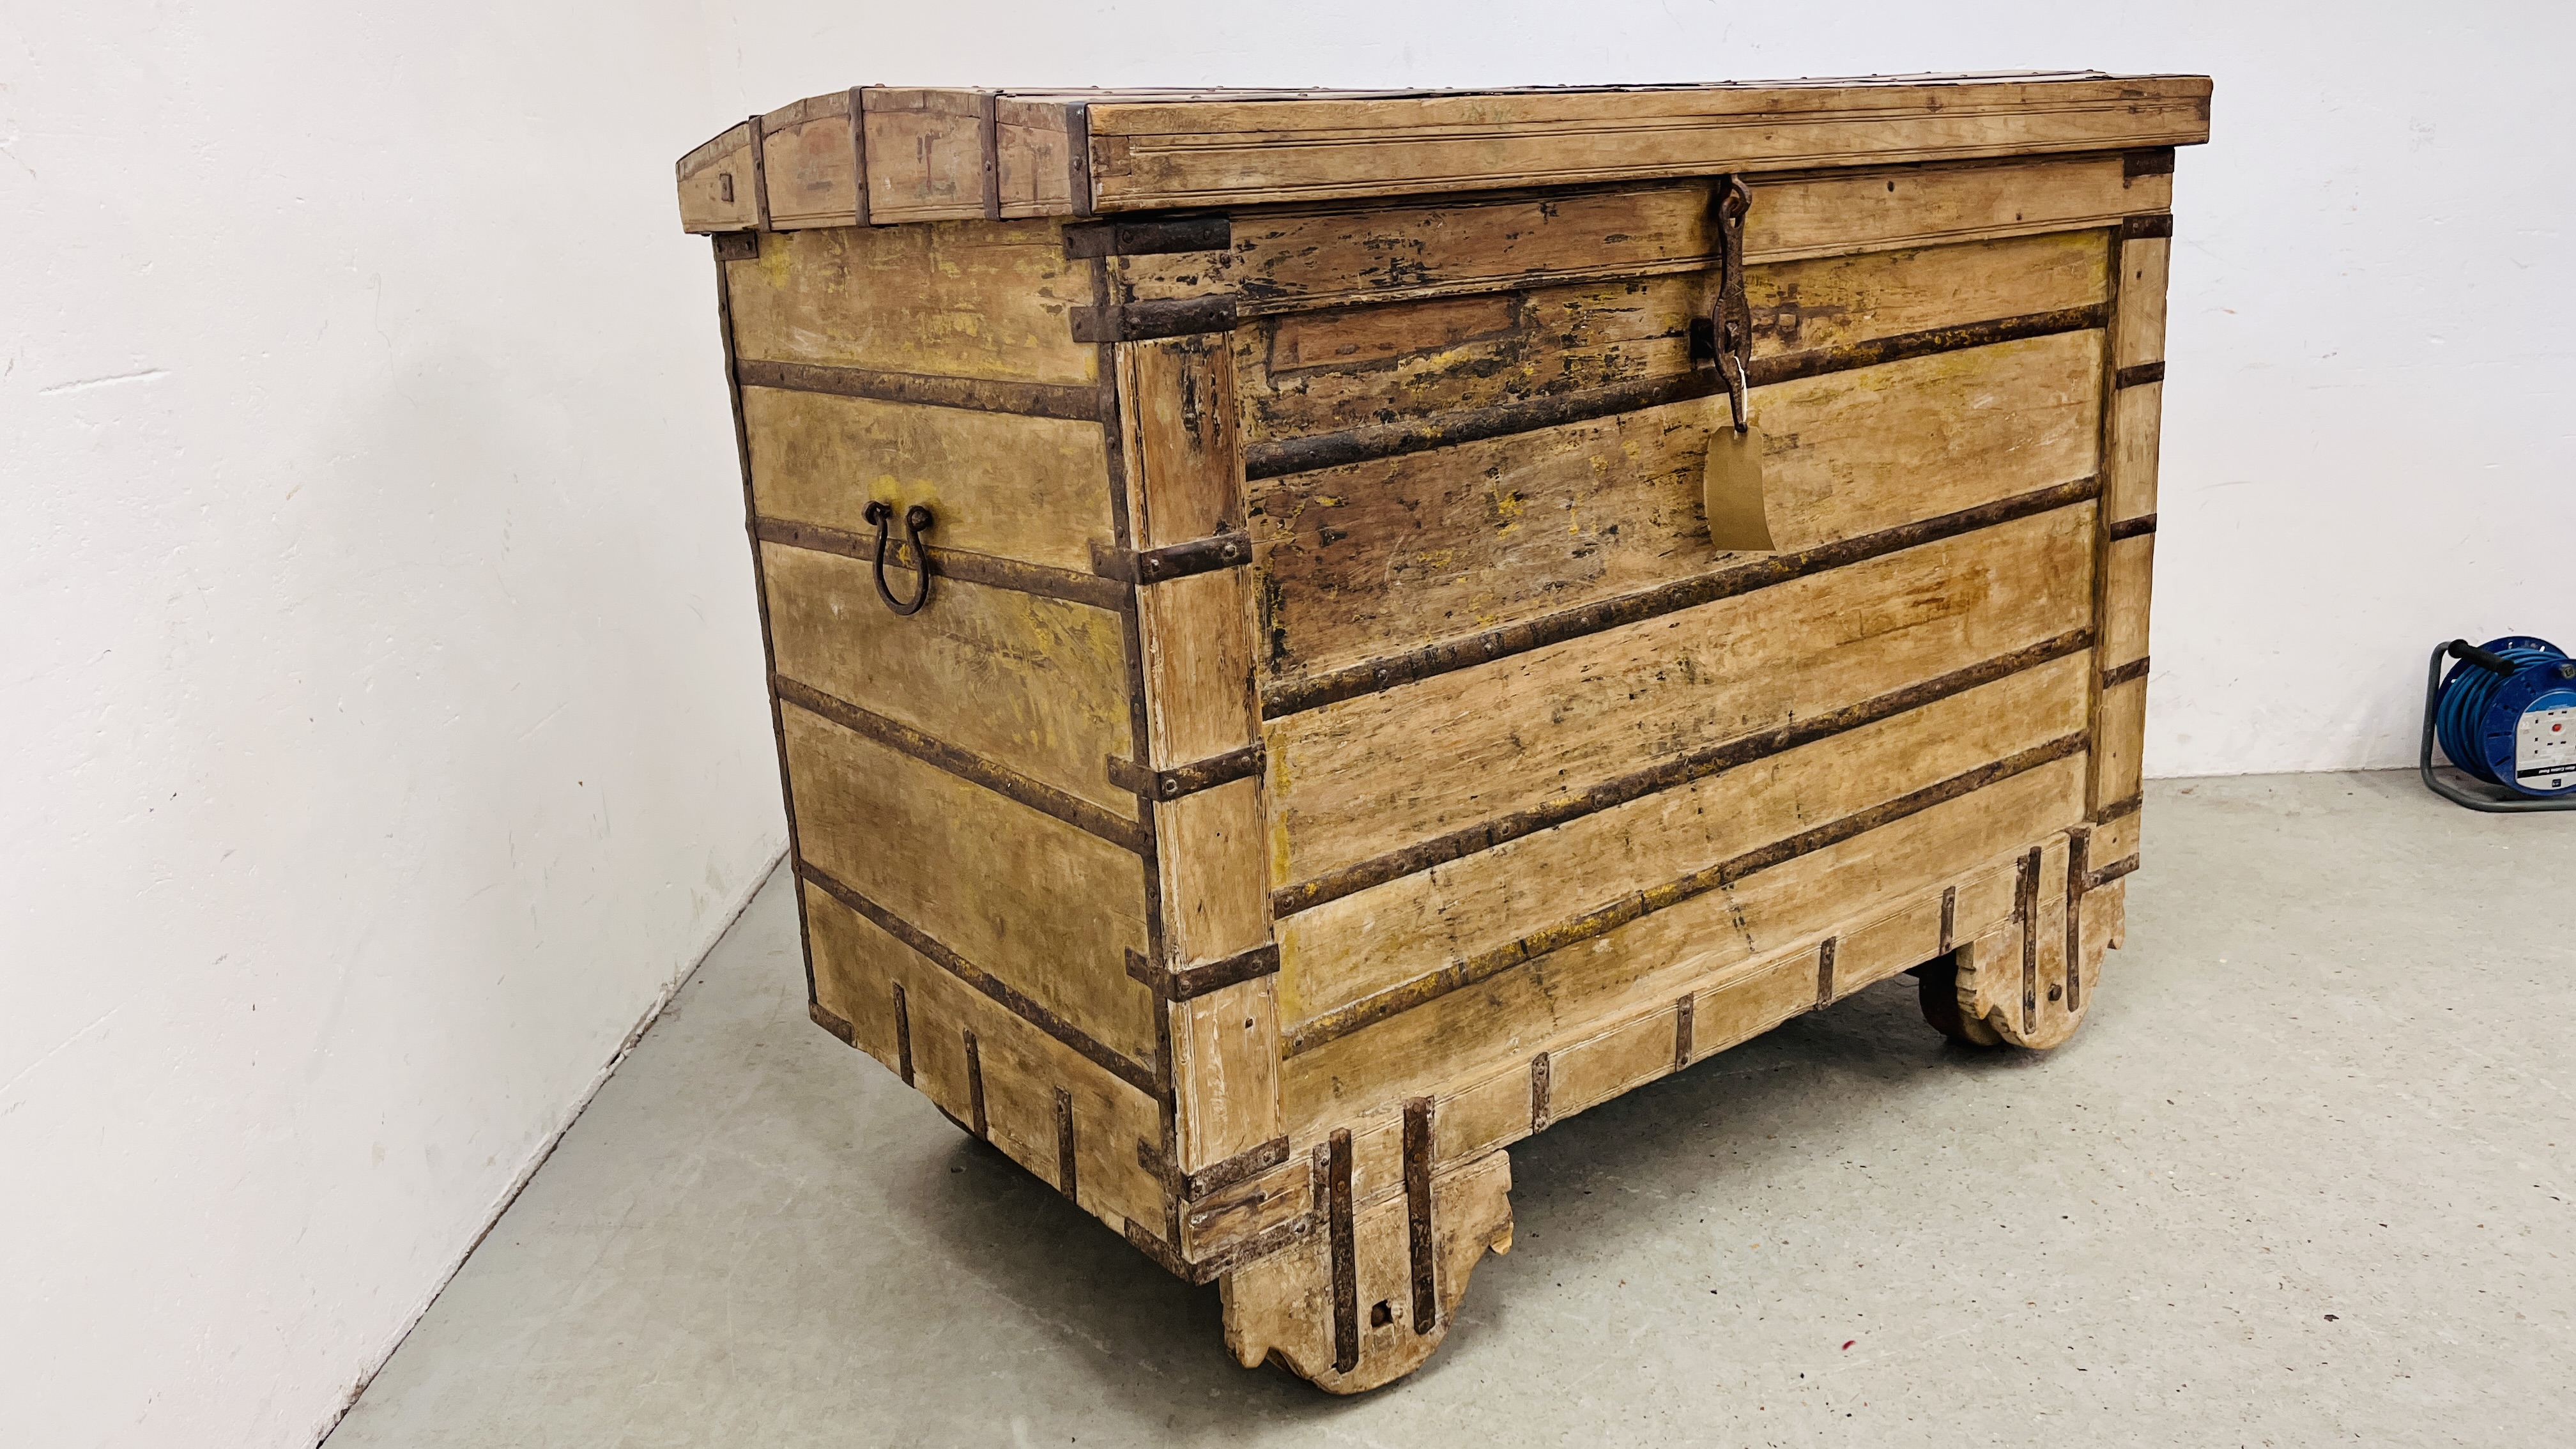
{"x": 1144, "y": 321}
{"x": 1542, "y": 1093}
{"x": 2078, "y": 844}
{"x": 2026, "y": 910}
{"x": 957, "y": 564}
{"x": 1216, "y": 1265}
{"x": 1067, "y": 1156}
{"x": 1684, "y": 1010}
{"x": 1142, "y": 236}
{"x": 1395, "y": 1000}
{"x": 1389, "y": 440}
{"x": 1421, "y": 1249}
{"x": 988, "y": 131}
{"x": 1173, "y": 561}
{"x": 1188, "y": 983}
{"x": 1187, "y": 779}
{"x": 2109, "y": 873}
{"x": 1017, "y": 399}
{"x": 981, "y": 1125}
{"x": 2144, "y": 228}
{"x": 1047, "y": 800}
{"x": 2118, "y": 810}
{"x": 1290, "y": 696}
{"x": 2138, "y": 527}
{"x": 833, "y": 1022}
{"x": 1216, "y": 1177}
{"x": 2129, "y": 673}
{"x": 1345, "y": 1252}
{"x": 2155, "y": 161}
{"x": 2138, "y": 376}
{"x": 1133, "y": 1073}
{"x": 1825, "y": 970}
{"x": 1679, "y": 770}
{"x": 902, "y": 1028}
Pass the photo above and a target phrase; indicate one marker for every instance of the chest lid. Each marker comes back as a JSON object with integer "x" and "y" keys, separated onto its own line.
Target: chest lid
{"x": 884, "y": 155}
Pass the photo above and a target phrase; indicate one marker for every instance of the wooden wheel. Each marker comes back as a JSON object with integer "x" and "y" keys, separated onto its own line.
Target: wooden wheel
{"x": 1349, "y": 1306}
{"x": 2030, "y": 983}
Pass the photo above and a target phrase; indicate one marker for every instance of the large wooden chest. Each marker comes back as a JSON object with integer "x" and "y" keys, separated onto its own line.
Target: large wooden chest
{"x": 1265, "y": 723}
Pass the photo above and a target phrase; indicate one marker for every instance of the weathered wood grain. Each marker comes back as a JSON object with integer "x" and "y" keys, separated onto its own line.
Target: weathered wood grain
{"x": 719, "y": 184}
{"x": 2120, "y": 726}
{"x": 1366, "y": 942}
{"x": 1467, "y": 1035}
{"x": 1309, "y": 373}
{"x": 926, "y": 154}
{"x": 1297, "y": 260}
{"x": 1356, "y": 779}
{"x": 1377, "y": 557}
{"x": 947, "y": 299}
{"x": 857, "y": 966}
{"x": 1181, "y": 417}
{"x": 1040, "y": 905}
{"x": 2141, "y": 326}
{"x": 809, "y": 162}
{"x": 2128, "y": 569}
{"x": 1242, "y": 152}
{"x": 1035, "y": 489}
{"x": 1036, "y": 685}
{"x": 2129, "y": 473}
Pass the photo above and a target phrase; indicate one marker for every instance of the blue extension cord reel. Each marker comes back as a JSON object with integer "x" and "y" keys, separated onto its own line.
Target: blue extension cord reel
{"x": 2506, "y": 714}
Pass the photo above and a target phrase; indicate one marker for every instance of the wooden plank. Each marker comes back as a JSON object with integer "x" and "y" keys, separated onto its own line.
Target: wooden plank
{"x": 2128, "y": 571}
{"x": 2141, "y": 325}
{"x": 1052, "y": 911}
{"x": 1198, "y": 666}
{"x": 1315, "y": 372}
{"x": 2129, "y": 474}
{"x": 2115, "y": 840}
{"x": 810, "y": 163}
{"x": 1589, "y": 1073}
{"x": 719, "y": 187}
{"x": 1237, "y": 153}
{"x": 947, "y": 300}
{"x": 1914, "y": 206}
{"x": 1373, "y": 558}
{"x": 925, "y": 154}
{"x": 1226, "y": 1072}
{"x": 1182, "y": 439}
{"x": 1044, "y": 170}
{"x": 1036, "y": 685}
{"x": 856, "y": 968}
{"x": 1303, "y": 259}
{"x": 2120, "y": 726}
{"x": 1465, "y": 1036}
{"x": 1210, "y": 852}
{"x": 1034, "y": 489}
{"x": 1364, "y": 776}
{"x": 1243, "y": 1213}
{"x": 1355, "y": 947}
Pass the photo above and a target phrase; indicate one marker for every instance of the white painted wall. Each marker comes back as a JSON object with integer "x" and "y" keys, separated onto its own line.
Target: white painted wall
{"x": 378, "y": 673}
{"x": 379, "y": 677}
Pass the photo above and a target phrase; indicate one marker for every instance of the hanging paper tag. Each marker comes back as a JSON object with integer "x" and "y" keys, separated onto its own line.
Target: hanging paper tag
{"x": 1731, "y": 491}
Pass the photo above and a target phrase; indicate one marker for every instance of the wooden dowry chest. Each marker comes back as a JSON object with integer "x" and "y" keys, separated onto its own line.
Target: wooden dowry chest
{"x": 1266, "y": 720}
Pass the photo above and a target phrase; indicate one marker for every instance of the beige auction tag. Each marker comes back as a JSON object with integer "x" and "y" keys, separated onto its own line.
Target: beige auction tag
{"x": 1732, "y": 490}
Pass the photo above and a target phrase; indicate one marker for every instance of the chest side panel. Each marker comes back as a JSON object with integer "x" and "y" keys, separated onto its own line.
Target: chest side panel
{"x": 976, "y": 881}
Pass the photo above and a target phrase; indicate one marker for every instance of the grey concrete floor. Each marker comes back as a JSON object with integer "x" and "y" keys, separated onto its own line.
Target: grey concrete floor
{"x": 2300, "y": 1179}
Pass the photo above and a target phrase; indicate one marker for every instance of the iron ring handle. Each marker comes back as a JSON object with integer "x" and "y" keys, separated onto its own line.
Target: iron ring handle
{"x": 916, "y": 519}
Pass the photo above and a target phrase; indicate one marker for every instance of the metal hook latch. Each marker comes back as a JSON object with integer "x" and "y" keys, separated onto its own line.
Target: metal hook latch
{"x": 1730, "y": 315}
{"x": 916, "y": 520}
